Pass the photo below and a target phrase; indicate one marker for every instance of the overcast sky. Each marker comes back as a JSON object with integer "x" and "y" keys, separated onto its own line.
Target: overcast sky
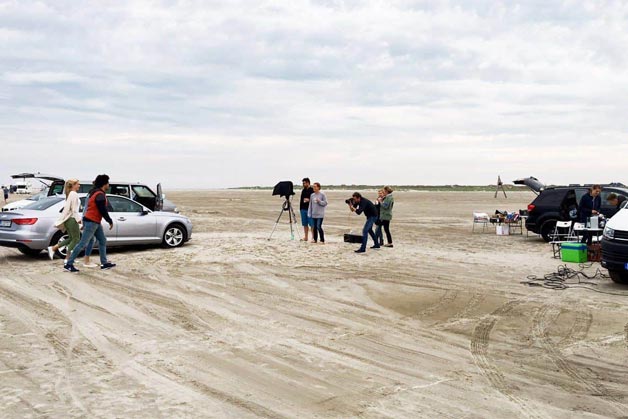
{"x": 230, "y": 93}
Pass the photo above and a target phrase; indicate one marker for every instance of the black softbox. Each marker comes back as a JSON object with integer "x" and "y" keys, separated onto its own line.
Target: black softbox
{"x": 284, "y": 188}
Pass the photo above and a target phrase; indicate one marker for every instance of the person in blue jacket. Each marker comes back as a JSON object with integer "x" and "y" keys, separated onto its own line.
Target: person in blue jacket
{"x": 590, "y": 205}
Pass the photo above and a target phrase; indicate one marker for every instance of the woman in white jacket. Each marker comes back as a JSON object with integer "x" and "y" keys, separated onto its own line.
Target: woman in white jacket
{"x": 69, "y": 219}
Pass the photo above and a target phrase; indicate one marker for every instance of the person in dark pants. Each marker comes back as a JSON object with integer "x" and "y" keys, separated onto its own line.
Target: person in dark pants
{"x": 361, "y": 205}
{"x": 5, "y": 190}
{"x": 589, "y": 205}
{"x": 616, "y": 201}
{"x": 385, "y": 213}
{"x": 304, "y": 204}
{"x": 95, "y": 212}
{"x": 316, "y": 212}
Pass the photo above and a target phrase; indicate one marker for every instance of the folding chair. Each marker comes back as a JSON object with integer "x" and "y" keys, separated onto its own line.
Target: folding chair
{"x": 480, "y": 218}
{"x": 563, "y": 233}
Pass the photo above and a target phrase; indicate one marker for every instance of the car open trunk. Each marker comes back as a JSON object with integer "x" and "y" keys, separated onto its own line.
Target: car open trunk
{"x": 531, "y": 182}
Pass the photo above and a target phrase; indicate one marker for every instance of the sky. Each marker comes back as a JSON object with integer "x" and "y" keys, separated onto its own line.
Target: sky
{"x": 211, "y": 94}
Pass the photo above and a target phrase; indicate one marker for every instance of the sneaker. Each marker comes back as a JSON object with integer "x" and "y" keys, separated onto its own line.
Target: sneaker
{"x": 90, "y": 265}
{"x": 51, "y": 253}
{"x": 107, "y": 265}
{"x": 388, "y": 245}
{"x": 375, "y": 247}
{"x": 360, "y": 251}
{"x": 70, "y": 268}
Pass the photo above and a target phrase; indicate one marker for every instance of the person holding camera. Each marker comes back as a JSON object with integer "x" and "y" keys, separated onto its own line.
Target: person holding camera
{"x": 360, "y": 205}
{"x": 316, "y": 212}
{"x": 304, "y": 205}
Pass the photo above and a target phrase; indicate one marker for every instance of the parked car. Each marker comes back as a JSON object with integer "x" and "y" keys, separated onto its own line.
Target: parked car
{"x": 31, "y": 229}
{"x": 615, "y": 246}
{"x": 560, "y": 203}
{"x": 136, "y": 191}
{"x": 11, "y": 206}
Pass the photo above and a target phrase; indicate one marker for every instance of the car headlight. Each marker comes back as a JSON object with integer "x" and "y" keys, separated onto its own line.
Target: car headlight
{"x": 609, "y": 233}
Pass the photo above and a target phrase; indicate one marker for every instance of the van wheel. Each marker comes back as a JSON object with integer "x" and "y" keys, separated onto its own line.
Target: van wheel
{"x": 174, "y": 236}
{"x": 59, "y": 237}
{"x": 547, "y": 230}
{"x": 619, "y": 277}
{"x": 28, "y": 251}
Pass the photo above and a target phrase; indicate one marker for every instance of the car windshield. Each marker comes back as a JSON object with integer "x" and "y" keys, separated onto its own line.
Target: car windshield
{"x": 44, "y": 204}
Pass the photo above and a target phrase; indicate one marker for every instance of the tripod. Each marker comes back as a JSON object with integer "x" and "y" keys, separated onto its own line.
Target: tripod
{"x": 286, "y": 207}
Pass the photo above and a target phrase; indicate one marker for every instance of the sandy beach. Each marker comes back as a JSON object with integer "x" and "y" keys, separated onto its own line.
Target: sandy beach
{"x": 233, "y": 325}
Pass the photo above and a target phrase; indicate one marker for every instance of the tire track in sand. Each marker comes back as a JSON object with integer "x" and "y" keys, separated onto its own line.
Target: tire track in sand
{"x": 448, "y": 297}
{"x": 474, "y": 302}
{"x": 579, "y": 330}
{"x": 479, "y": 350}
{"x": 547, "y": 315}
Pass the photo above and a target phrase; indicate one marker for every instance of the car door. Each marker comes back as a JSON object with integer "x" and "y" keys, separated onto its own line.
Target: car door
{"x": 134, "y": 224}
{"x": 144, "y": 196}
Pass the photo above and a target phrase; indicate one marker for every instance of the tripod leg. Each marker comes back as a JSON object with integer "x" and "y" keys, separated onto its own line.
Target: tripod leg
{"x": 290, "y": 215}
{"x": 275, "y": 226}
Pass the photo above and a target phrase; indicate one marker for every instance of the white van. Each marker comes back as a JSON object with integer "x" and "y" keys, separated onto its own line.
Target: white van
{"x": 23, "y": 188}
{"x": 615, "y": 246}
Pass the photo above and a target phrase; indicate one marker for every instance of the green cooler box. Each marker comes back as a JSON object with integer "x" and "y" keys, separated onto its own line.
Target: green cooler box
{"x": 573, "y": 252}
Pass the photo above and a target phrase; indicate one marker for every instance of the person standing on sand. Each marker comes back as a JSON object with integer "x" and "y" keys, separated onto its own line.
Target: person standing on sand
{"x": 69, "y": 219}
{"x": 378, "y": 222}
{"x": 316, "y": 211}
{"x": 304, "y": 205}
{"x": 361, "y": 205}
{"x": 95, "y": 211}
{"x": 5, "y": 191}
{"x": 385, "y": 214}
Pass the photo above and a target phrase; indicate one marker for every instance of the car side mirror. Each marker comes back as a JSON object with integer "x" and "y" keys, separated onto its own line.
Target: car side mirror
{"x": 145, "y": 212}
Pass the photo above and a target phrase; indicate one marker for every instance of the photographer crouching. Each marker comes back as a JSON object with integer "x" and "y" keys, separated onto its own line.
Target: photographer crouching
{"x": 361, "y": 205}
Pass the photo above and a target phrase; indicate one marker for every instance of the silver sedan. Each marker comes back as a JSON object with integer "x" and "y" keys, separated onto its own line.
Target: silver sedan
{"x": 31, "y": 229}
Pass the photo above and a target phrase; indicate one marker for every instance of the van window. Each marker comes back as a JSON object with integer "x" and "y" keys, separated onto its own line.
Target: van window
{"x": 55, "y": 188}
{"x": 122, "y": 190}
{"x": 143, "y": 192}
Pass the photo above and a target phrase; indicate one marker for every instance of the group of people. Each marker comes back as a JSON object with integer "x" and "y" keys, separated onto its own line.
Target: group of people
{"x": 313, "y": 203}
{"x": 71, "y": 222}
{"x": 590, "y": 204}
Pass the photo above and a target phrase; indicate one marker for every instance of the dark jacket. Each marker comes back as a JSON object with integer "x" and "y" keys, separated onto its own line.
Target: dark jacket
{"x": 305, "y": 193}
{"x": 587, "y": 205}
{"x": 365, "y": 206}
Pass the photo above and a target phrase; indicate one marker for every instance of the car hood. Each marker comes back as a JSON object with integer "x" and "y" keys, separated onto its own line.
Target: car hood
{"x": 619, "y": 221}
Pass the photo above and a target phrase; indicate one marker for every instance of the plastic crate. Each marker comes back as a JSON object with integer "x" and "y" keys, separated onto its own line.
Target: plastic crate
{"x": 573, "y": 252}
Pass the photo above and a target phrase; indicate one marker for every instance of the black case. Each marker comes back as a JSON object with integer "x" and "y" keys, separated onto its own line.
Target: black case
{"x": 353, "y": 238}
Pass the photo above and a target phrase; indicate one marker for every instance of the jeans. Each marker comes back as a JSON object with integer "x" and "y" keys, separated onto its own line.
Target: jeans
{"x": 318, "y": 229}
{"x": 378, "y": 232}
{"x": 368, "y": 230}
{"x": 91, "y": 230}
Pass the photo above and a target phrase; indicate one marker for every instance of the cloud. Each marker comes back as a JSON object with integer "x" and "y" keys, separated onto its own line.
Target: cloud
{"x": 242, "y": 92}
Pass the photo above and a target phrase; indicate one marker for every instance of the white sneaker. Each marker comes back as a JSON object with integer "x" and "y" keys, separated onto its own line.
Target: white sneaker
{"x": 51, "y": 253}
{"x": 90, "y": 265}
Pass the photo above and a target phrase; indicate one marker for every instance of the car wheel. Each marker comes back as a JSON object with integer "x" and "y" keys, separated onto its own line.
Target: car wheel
{"x": 174, "y": 236}
{"x": 59, "y": 237}
{"x": 619, "y": 277}
{"x": 547, "y": 230}
{"x": 28, "y": 251}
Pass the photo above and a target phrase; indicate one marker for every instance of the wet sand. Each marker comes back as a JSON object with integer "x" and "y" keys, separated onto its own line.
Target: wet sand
{"x": 234, "y": 325}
